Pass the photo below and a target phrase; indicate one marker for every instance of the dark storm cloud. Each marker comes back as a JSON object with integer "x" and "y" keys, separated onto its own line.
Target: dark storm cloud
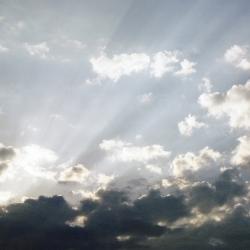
{"x": 40, "y": 224}
{"x": 229, "y": 234}
{"x": 36, "y": 224}
{"x": 115, "y": 215}
{"x": 114, "y": 221}
{"x": 206, "y": 196}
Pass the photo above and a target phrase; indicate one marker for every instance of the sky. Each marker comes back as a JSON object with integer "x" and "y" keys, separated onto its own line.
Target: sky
{"x": 124, "y": 124}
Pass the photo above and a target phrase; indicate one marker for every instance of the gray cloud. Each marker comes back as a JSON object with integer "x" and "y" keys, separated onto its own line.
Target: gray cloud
{"x": 114, "y": 221}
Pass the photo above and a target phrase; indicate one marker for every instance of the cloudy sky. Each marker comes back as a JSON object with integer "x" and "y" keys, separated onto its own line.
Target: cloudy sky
{"x": 124, "y": 124}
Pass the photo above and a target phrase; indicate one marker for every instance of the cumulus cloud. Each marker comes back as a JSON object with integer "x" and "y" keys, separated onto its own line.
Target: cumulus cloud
{"x": 36, "y": 160}
{"x": 163, "y": 62}
{"x": 238, "y": 56}
{"x": 32, "y": 164}
{"x": 41, "y": 49}
{"x": 235, "y": 104}
{"x": 118, "y": 65}
{"x": 157, "y": 65}
{"x": 241, "y": 154}
{"x": 118, "y": 150}
{"x": 187, "y": 126}
{"x": 187, "y": 68}
{"x": 191, "y": 165}
{"x": 154, "y": 168}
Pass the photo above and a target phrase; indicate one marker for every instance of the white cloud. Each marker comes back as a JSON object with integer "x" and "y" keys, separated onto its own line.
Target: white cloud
{"x": 187, "y": 165}
{"x": 205, "y": 85}
{"x": 5, "y": 197}
{"x": 28, "y": 161}
{"x": 119, "y": 65}
{"x": 187, "y": 68}
{"x": 126, "y": 152}
{"x": 103, "y": 180}
{"x": 41, "y": 49}
{"x": 33, "y": 164}
{"x": 157, "y": 65}
{"x": 238, "y": 56}
{"x": 36, "y": 160}
{"x": 145, "y": 98}
{"x": 235, "y": 104}
{"x": 241, "y": 154}
{"x": 163, "y": 62}
{"x": 187, "y": 126}
{"x": 154, "y": 168}
{"x": 83, "y": 194}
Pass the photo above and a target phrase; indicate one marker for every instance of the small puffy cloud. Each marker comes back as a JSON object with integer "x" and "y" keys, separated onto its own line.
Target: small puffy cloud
{"x": 77, "y": 173}
{"x": 190, "y": 164}
{"x": 145, "y": 98}
{"x": 238, "y": 56}
{"x": 41, "y": 49}
{"x": 235, "y": 104}
{"x": 118, "y": 150}
{"x": 241, "y": 154}
{"x": 187, "y": 68}
{"x": 206, "y": 85}
{"x": 118, "y": 65}
{"x": 163, "y": 62}
{"x": 187, "y": 126}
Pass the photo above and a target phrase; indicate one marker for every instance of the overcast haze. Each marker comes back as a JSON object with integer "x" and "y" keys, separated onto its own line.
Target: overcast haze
{"x": 124, "y": 124}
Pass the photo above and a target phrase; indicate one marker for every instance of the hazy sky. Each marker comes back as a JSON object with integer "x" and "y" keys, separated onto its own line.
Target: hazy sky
{"x": 142, "y": 100}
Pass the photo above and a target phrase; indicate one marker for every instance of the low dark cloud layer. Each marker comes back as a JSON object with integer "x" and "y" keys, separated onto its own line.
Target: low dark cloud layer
{"x": 115, "y": 222}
